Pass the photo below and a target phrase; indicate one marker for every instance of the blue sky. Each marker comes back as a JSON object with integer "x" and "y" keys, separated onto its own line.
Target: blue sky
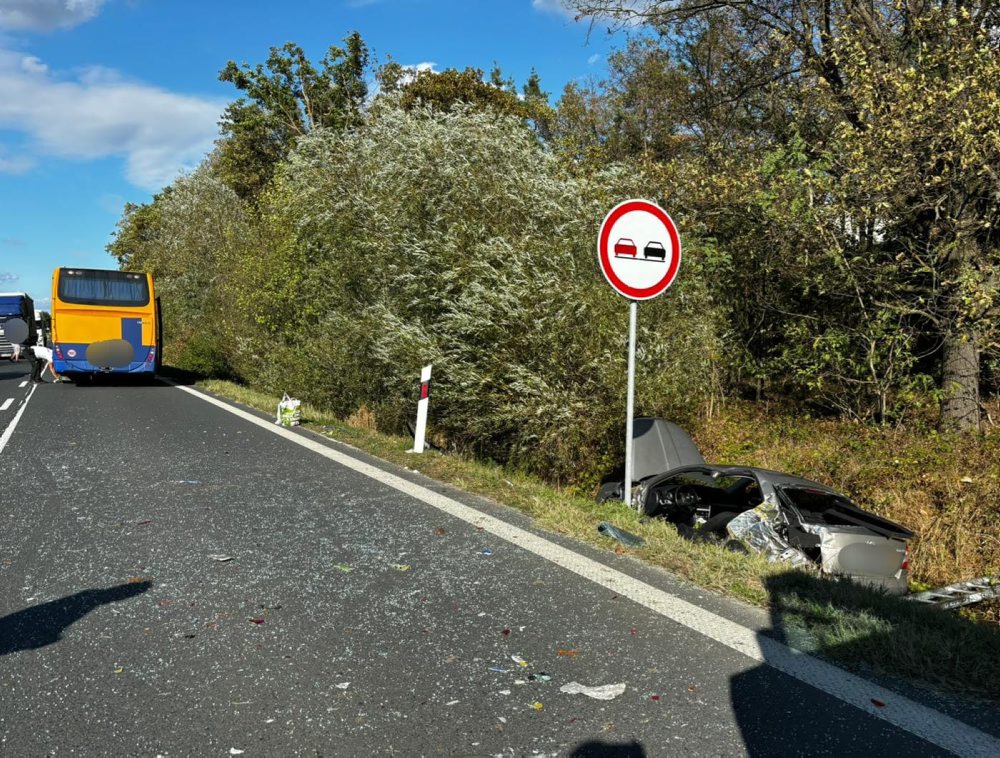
{"x": 105, "y": 101}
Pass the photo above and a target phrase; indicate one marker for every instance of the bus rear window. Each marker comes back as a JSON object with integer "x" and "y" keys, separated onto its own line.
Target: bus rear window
{"x": 114, "y": 288}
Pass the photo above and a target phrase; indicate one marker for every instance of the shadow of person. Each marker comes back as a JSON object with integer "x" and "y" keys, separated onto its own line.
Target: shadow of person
{"x": 43, "y": 624}
{"x": 598, "y": 749}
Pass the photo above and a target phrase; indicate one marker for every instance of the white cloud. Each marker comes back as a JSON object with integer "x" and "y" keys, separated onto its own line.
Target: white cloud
{"x": 47, "y": 14}
{"x": 32, "y": 65}
{"x": 594, "y": 59}
{"x": 100, "y": 114}
{"x": 6, "y": 276}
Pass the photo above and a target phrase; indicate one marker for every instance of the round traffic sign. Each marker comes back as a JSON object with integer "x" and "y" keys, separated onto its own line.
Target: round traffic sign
{"x": 638, "y": 249}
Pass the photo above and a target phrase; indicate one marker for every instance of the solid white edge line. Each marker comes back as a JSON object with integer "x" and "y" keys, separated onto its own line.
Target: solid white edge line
{"x": 7, "y": 403}
{"x": 9, "y": 431}
{"x": 920, "y": 720}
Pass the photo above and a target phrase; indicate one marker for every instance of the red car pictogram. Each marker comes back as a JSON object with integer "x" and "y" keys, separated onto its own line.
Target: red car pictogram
{"x": 625, "y": 246}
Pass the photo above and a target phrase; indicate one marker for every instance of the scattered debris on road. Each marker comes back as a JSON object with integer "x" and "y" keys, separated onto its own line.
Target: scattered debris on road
{"x": 519, "y": 661}
{"x": 400, "y": 566}
{"x": 343, "y": 685}
{"x": 344, "y": 567}
{"x": 220, "y": 558}
{"x": 603, "y": 692}
{"x": 487, "y": 551}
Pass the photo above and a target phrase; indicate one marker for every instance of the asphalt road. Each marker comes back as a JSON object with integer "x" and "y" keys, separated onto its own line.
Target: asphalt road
{"x": 346, "y": 619}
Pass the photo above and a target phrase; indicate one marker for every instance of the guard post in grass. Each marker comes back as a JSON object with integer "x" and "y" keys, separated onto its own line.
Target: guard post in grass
{"x": 425, "y": 399}
{"x": 639, "y": 252}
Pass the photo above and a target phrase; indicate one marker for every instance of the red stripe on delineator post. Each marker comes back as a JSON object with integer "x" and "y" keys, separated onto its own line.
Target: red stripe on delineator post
{"x": 425, "y": 390}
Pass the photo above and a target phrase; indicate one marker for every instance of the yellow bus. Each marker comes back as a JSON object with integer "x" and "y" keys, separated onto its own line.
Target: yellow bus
{"x": 104, "y": 322}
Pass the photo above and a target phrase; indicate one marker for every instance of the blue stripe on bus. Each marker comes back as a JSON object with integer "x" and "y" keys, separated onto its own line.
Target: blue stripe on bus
{"x": 79, "y": 363}
{"x": 132, "y": 333}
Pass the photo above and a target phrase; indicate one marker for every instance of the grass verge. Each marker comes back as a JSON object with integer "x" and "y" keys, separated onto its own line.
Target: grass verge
{"x": 860, "y": 629}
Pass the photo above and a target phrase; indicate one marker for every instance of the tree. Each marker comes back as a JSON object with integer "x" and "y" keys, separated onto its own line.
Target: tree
{"x": 286, "y": 98}
{"x": 876, "y": 82}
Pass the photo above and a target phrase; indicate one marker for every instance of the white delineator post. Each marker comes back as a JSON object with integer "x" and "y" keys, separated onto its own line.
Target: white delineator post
{"x": 630, "y": 402}
{"x": 422, "y": 403}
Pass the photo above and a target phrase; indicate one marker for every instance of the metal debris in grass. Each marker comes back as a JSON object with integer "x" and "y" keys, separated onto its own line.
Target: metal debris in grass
{"x": 626, "y": 538}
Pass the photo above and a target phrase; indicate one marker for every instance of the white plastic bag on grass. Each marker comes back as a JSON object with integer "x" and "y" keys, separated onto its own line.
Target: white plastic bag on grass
{"x": 289, "y": 411}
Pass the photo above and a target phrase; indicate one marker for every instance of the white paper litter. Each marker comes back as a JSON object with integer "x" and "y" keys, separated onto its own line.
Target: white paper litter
{"x": 604, "y": 692}
{"x": 342, "y": 685}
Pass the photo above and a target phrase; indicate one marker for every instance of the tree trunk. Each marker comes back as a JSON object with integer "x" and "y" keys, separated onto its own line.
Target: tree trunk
{"x": 960, "y": 383}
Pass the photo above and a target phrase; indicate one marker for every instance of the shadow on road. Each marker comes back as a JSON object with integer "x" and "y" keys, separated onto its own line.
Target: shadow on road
{"x": 598, "y": 749}
{"x": 778, "y": 715}
{"x": 43, "y": 624}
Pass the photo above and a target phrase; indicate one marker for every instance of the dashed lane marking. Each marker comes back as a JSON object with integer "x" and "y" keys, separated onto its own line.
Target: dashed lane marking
{"x": 882, "y": 703}
{"x": 9, "y": 431}
{"x": 6, "y": 404}
{"x": 23, "y": 384}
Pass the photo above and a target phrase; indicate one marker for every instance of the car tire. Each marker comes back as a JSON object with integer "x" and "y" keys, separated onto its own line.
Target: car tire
{"x": 609, "y": 491}
{"x": 735, "y": 546}
{"x": 718, "y": 523}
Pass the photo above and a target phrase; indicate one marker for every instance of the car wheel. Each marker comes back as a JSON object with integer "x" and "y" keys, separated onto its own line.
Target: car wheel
{"x": 609, "y": 491}
{"x": 718, "y": 523}
{"x": 735, "y": 546}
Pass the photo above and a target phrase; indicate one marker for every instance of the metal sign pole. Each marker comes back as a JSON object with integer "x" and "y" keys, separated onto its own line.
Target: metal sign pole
{"x": 630, "y": 403}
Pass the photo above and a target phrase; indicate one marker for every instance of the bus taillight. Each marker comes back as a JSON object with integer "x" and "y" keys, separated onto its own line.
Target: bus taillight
{"x": 59, "y": 354}
{"x": 152, "y": 355}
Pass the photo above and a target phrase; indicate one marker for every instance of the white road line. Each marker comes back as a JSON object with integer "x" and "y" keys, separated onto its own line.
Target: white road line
{"x": 23, "y": 384}
{"x": 927, "y": 723}
{"x": 6, "y": 404}
{"x": 9, "y": 431}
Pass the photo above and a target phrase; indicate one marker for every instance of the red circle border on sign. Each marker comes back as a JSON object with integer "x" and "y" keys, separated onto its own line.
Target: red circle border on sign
{"x": 604, "y": 258}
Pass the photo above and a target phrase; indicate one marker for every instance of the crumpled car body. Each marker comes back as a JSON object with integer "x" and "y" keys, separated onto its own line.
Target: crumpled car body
{"x": 787, "y": 518}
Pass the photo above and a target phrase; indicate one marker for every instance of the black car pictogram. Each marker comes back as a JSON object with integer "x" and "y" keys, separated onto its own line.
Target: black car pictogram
{"x": 654, "y": 250}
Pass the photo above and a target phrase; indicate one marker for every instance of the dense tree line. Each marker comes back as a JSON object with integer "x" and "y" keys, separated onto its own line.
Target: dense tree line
{"x": 832, "y": 168}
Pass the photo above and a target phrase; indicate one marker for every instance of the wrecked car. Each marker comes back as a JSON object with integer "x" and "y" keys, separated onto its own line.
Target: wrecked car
{"x": 785, "y": 517}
